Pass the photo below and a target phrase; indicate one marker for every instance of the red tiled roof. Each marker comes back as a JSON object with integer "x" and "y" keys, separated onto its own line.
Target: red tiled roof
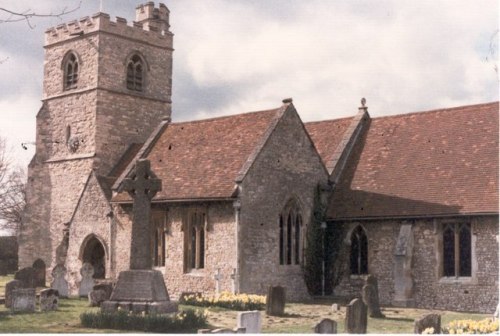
{"x": 201, "y": 159}
{"x": 429, "y": 163}
{"x": 327, "y": 135}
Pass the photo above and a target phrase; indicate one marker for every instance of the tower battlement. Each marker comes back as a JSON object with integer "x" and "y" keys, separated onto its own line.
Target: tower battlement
{"x": 151, "y": 26}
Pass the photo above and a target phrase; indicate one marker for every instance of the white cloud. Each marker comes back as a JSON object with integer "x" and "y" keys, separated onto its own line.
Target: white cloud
{"x": 235, "y": 56}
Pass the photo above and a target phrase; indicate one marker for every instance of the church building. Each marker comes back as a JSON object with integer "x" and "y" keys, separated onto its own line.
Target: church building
{"x": 416, "y": 194}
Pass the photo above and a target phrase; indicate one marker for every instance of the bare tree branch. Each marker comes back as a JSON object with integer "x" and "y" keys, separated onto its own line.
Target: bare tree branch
{"x": 27, "y": 15}
{"x": 12, "y": 192}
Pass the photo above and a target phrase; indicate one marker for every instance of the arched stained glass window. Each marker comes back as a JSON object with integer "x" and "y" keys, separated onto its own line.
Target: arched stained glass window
{"x": 359, "y": 252}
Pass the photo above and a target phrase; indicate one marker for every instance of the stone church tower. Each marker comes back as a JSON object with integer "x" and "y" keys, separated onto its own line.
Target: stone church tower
{"x": 107, "y": 85}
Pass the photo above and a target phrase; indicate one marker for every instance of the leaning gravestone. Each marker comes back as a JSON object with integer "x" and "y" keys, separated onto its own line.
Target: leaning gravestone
{"x": 39, "y": 273}
{"x": 26, "y": 276}
{"x": 87, "y": 282}
{"x": 428, "y": 321}
{"x": 59, "y": 282}
{"x": 356, "y": 317}
{"x": 49, "y": 299}
{"x": 251, "y": 321}
{"x": 9, "y": 287}
{"x": 370, "y": 297}
{"x": 275, "y": 303}
{"x": 141, "y": 287}
{"x": 23, "y": 300}
{"x": 325, "y": 326}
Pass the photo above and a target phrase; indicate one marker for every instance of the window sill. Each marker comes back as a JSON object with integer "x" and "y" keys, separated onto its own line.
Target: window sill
{"x": 457, "y": 280}
{"x": 195, "y": 273}
{"x": 358, "y": 276}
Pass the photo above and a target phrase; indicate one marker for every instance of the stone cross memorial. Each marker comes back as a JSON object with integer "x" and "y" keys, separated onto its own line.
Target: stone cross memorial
{"x": 141, "y": 289}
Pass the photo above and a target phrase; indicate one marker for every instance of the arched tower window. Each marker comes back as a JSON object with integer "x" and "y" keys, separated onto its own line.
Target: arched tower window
{"x": 359, "y": 252}
{"x": 135, "y": 73}
{"x": 71, "y": 69}
{"x": 290, "y": 235}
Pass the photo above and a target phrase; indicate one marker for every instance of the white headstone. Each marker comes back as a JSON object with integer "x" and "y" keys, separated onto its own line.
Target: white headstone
{"x": 59, "y": 283}
{"x": 251, "y": 321}
{"x": 87, "y": 283}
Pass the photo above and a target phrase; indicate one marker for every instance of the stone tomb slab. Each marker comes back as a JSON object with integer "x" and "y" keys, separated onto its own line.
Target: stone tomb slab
{"x": 140, "y": 286}
{"x": 23, "y": 300}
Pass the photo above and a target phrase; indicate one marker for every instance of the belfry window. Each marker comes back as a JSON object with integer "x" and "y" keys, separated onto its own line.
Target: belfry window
{"x": 135, "y": 74}
{"x": 71, "y": 69}
{"x": 290, "y": 235}
{"x": 359, "y": 252}
{"x": 194, "y": 241}
{"x": 457, "y": 252}
{"x": 159, "y": 239}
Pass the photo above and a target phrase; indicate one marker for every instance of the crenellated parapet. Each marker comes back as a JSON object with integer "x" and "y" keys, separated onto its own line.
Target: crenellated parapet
{"x": 151, "y": 26}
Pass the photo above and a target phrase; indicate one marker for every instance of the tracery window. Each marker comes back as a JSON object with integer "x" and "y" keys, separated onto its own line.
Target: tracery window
{"x": 135, "y": 73}
{"x": 159, "y": 239}
{"x": 359, "y": 252}
{"x": 71, "y": 69}
{"x": 457, "y": 252}
{"x": 194, "y": 241}
{"x": 290, "y": 235}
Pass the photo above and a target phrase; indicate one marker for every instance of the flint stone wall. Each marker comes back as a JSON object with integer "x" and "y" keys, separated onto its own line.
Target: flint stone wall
{"x": 476, "y": 294}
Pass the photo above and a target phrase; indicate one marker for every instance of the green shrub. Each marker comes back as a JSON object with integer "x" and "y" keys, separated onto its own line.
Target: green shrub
{"x": 185, "y": 321}
{"x": 226, "y": 300}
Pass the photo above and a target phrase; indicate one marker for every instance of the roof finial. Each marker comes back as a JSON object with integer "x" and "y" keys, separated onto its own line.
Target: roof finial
{"x": 287, "y": 100}
{"x": 363, "y": 102}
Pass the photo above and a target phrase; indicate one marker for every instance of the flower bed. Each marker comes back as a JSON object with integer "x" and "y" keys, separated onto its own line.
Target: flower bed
{"x": 184, "y": 321}
{"x": 226, "y": 300}
{"x": 486, "y": 326}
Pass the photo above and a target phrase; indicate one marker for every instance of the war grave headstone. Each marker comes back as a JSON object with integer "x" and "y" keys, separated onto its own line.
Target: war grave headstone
{"x": 87, "y": 283}
{"x": 9, "y": 287}
{"x": 49, "y": 299}
{"x": 39, "y": 273}
{"x": 26, "y": 276}
{"x": 59, "y": 282}
{"x": 251, "y": 321}
{"x": 325, "y": 326}
{"x": 356, "y": 317}
{"x": 370, "y": 297}
{"x": 23, "y": 300}
{"x": 275, "y": 303}
{"x": 428, "y": 321}
{"x": 141, "y": 288}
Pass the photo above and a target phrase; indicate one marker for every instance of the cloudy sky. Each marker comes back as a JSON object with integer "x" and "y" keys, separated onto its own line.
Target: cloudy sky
{"x": 233, "y": 56}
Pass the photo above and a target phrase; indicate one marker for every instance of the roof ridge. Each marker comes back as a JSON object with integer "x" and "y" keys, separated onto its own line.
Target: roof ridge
{"x": 275, "y": 110}
{"x": 446, "y": 109}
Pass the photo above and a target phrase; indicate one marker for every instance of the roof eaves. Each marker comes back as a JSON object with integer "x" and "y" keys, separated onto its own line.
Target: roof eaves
{"x": 146, "y": 148}
{"x": 258, "y": 148}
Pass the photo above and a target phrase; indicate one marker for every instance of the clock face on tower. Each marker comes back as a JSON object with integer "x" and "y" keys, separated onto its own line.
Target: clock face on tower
{"x": 73, "y": 144}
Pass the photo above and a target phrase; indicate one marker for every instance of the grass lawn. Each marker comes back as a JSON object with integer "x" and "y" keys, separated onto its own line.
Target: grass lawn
{"x": 300, "y": 318}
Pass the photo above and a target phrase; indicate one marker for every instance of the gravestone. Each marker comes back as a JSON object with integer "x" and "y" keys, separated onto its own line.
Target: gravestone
{"x": 59, "y": 282}
{"x": 106, "y": 287}
{"x": 141, "y": 287}
{"x": 87, "y": 283}
{"x": 217, "y": 278}
{"x": 26, "y": 276}
{"x": 403, "y": 268}
{"x": 325, "y": 326}
{"x": 335, "y": 307}
{"x": 49, "y": 299}
{"x": 9, "y": 287}
{"x": 495, "y": 315}
{"x": 39, "y": 273}
{"x": 275, "y": 303}
{"x": 96, "y": 297}
{"x": 370, "y": 297}
{"x": 356, "y": 317}
{"x": 23, "y": 300}
{"x": 428, "y": 321}
{"x": 251, "y": 321}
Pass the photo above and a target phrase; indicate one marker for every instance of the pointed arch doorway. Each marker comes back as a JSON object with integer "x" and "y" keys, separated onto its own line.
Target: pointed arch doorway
{"x": 94, "y": 253}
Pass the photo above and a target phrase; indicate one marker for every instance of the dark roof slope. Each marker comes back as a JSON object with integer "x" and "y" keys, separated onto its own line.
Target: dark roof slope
{"x": 327, "y": 135}
{"x": 438, "y": 162}
{"x": 201, "y": 159}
